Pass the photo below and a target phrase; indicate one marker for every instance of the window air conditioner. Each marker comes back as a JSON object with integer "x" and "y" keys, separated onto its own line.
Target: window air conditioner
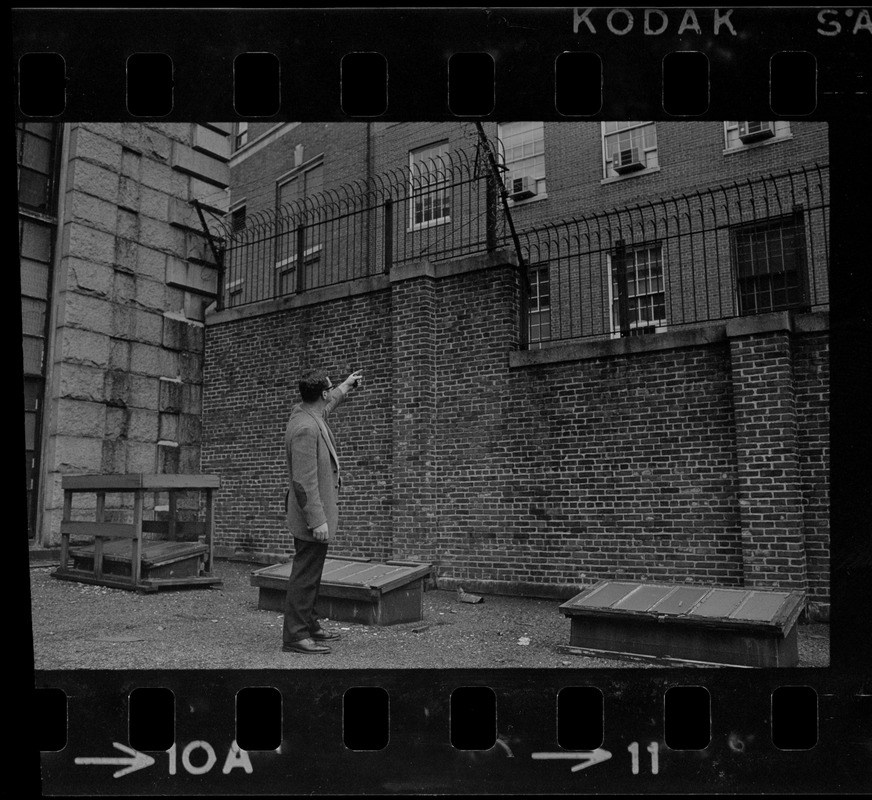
{"x": 522, "y": 188}
{"x": 755, "y": 131}
{"x": 628, "y": 160}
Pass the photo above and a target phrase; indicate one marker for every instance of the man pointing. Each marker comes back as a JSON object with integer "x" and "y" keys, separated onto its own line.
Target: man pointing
{"x": 313, "y": 513}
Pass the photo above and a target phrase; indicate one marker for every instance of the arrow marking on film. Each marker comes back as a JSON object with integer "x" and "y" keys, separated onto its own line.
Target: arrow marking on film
{"x": 587, "y": 758}
{"x": 136, "y": 761}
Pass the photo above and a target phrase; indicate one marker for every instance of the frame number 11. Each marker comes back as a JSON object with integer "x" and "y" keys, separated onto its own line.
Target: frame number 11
{"x": 653, "y": 749}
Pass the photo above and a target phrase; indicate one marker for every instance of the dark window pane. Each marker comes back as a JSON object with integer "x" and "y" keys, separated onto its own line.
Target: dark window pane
{"x": 33, "y": 189}
{"x": 37, "y": 154}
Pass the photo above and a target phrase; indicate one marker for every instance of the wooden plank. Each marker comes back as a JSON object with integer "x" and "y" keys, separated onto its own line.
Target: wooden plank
{"x": 171, "y": 522}
{"x": 790, "y": 611}
{"x": 354, "y": 591}
{"x": 136, "y": 542}
{"x": 278, "y": 582}
{"x": 183, "y": 529}
{"x": 98, "y": 542}
{"x": 282, "y": 570}
{"x": 341, "y": 566}
{"x": 109, "y": 483}
{"x": 348, "y": 570}
{"x": 191, "y": 580}
{"x": 361, "y": 577}
{"x": 86, "y": 576}
{"x": 165, "y": 483}
{"x": 642, "y": 598}
{"x": 109, "y": 530}
{"x": 345, "y": 559}
{"x": 209, "y": 531}
{"x": 760, "y": 606}
{"x": 138, "y": 480}
{"x": 65, "y": 537}
{"x": 602, "y": 595}
{"x": 118, "y": 549}
{"x": 680, "y": 662}
{"x": 388, "y": 583}
{"x": 719, "y": 603}
{"x": 680, "y": 601}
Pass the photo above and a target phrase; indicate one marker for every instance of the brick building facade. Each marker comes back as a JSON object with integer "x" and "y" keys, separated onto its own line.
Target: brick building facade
{"x": 698, "y": 452}
{"x": 116, "y": 274}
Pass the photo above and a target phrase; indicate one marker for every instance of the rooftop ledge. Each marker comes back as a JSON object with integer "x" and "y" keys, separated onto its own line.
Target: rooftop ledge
{"x": 712, "y": 333}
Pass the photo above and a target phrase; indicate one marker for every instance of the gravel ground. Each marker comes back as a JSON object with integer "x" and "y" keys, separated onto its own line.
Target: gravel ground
{"x": 83, "y": 626}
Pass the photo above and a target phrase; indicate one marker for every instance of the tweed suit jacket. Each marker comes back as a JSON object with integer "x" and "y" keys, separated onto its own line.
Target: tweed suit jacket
{"x": 313, "y": 471}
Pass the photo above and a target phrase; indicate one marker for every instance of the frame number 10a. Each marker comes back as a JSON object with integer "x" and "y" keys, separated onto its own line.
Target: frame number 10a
{"x": 653, "y": 749}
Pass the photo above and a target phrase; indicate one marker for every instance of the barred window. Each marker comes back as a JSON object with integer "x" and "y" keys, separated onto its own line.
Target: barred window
{"x": 240, "y": 136}
{"x": 304, "y": 183}
{"x": 307, "y": 181}
{"x": 237, "y": 219}
{"x": 740, "y": 135}
{"x": 769, "y": 260}
{"x": 638, "y": 293}
{"x": 522, "y": 146}
{"x": 429, "y": 192}
{"x": 539, "y": 304}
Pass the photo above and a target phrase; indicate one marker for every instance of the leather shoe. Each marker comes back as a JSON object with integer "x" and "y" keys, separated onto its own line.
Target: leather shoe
{"x": 305, "y": 646}
{"x": 322, "y": 635}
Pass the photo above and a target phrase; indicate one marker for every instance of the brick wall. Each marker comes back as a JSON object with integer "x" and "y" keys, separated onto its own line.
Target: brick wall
{"x": 252, "y": 369}
{"x": 811, "y": 392}
{"x": 341, "y": 145}
{"x": 626, "y": 460}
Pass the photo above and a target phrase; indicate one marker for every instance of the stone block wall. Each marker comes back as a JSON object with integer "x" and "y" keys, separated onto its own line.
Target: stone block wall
{"x": 125, "y": 363}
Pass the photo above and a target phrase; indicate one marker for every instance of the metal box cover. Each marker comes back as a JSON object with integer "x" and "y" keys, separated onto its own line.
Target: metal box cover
{"x": 706, "y": 605}
{"x": 370, "y": 576}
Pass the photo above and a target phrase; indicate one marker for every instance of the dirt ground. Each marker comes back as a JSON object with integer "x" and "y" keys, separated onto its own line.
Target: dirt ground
{"x": 83, "y": 626}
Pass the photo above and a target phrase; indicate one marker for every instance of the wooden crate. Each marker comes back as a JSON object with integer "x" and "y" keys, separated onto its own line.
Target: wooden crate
{"x": 122, "y": 555}
{"x": 354, "y": 590}
{"x": 158, "y": 559}
{"x": 701, "y": 624}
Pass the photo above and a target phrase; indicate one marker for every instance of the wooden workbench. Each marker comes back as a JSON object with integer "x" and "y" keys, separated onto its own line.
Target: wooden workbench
{"x": 120, "y": 556}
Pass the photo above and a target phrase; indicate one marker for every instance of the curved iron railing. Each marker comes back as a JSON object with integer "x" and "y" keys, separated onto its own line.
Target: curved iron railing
{"x": 678, "y": 261}
{"x": 659, "y": 264}
{"x": 435, "y": 210}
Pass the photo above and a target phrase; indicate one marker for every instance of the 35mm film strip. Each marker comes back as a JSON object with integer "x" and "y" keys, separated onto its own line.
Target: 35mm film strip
{"x": 499, "y": 731}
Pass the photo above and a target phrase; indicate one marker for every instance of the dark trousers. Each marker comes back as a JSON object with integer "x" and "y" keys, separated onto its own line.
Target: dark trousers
{"x": 303, "y": 585}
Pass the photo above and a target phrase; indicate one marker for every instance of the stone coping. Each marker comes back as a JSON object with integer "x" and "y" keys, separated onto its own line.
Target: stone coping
{"x": 701, "y": 335}
{"x": 375, "y": 283}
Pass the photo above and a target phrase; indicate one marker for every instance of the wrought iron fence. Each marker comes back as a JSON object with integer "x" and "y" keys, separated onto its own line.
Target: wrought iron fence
{"x": 745, "y": 247}
{"x": 742, "y": 248}
{"x": 439, "y": 209}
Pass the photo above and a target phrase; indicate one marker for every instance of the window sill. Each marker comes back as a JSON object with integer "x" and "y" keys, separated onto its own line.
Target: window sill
{"x": 659, "y": 328}
{"x": 234, "y": 287}
{"x": 308, "y": 255}
{"x": 528, "y": 201}
{"x": 692, "y": 336}
{"x": 744, "y": 148}
{"x": 425, "y": 225}
{"x": 630, "y": 175}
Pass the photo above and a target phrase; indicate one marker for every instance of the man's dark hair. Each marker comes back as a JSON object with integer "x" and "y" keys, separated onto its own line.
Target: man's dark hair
{"x": 312, "y": 384}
